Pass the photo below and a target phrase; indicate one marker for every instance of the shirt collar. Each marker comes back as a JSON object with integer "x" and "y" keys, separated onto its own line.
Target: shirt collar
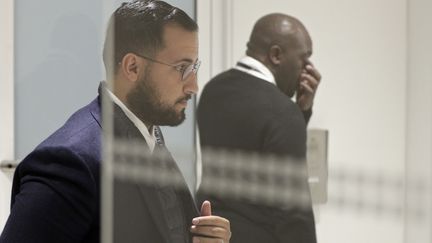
{"x": 254, "y": 67}
{"x": 150, "y": 138}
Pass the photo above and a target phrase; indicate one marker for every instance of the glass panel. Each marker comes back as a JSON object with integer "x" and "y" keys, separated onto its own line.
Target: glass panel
{"x": 57, "y": 65}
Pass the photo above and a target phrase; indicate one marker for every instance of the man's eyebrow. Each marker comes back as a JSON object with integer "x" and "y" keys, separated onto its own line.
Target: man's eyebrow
{"x": 186, "y": 60}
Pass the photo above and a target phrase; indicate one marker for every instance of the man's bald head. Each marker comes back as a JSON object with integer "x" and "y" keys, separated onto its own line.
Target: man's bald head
{"x": 273, "y": 29}
{"x": 283, "y": 45}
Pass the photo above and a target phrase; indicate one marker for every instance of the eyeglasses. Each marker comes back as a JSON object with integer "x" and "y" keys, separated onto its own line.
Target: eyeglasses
{"x": 185, "y": 69}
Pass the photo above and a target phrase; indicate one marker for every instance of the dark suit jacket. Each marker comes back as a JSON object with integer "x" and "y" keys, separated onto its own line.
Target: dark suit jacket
{"x": 56, "y": 189}
{"x": 238, "y": 111}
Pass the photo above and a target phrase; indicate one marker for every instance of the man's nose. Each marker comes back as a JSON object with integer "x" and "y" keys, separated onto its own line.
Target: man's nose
{"x": 191, "y": 85}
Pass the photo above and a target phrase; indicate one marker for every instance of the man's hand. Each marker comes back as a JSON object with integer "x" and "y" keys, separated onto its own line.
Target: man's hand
{"x": 309, "y": 81}
{"x": 209, "y": 228}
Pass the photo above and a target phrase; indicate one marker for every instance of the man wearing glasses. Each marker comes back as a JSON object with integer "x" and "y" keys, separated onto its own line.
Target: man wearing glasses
{"x": 151, "y": 59}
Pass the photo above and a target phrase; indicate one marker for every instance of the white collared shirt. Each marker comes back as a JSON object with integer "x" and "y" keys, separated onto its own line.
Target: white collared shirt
{"x": 149, "y": 138}
{"x": 255, "y": 68}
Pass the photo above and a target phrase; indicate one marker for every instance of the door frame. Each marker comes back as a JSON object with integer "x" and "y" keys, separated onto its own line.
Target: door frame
{"x": 7, "y": 129}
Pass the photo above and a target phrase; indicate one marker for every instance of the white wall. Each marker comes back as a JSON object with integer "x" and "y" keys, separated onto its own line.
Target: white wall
{"x": 6, "y": 104}
{"x": 360, "y": 47}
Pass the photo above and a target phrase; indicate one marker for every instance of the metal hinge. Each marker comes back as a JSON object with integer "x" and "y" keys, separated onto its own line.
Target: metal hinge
{"x": 8, "y": 164}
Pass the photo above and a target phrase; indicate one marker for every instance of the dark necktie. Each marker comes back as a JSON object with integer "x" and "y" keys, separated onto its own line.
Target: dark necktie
{"x": 168, "y": 193}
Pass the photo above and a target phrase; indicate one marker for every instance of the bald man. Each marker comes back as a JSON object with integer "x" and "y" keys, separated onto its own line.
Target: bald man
{"x": 250, "y": 108}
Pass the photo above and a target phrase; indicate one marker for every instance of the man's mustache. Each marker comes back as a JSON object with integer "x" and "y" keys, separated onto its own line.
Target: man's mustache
{"x": 185, "y": 98}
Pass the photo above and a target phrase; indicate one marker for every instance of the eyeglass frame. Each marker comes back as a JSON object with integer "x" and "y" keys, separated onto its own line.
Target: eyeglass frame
{"x": 180, "y": 67}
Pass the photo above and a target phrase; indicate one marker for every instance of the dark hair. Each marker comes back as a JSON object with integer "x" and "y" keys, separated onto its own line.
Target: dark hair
{"x": 137, "y": 27}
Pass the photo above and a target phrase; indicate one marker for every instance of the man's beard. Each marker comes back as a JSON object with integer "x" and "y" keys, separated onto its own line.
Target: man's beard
{"x": 144, "y": 101}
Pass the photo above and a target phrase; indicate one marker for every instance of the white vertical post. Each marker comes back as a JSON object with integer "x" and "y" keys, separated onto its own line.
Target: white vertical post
{"x": 215, "y": 22}
{"x": 214, "y": 19}
{"x": 7, "y": 140}
{"x": 107, "y": 178}
{"x": 6, "y": 104}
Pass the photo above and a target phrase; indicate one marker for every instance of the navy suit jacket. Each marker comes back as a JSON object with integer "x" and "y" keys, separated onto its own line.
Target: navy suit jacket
{"x": 56, "y": 189}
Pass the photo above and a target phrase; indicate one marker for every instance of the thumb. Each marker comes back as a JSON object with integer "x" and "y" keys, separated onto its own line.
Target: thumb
{"x": 206, "y": 208}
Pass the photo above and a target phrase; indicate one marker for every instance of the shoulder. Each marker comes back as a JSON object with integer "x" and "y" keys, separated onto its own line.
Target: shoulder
{"x": 237, "y": 86}
{"x": 241, "y": 94}
{"x": 230, "y": 76}
{"x": 80, "y": 132}
{"x": 73, "y": 147}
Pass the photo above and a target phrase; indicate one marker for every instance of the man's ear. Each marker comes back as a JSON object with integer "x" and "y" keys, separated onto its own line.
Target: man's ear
{"x": 275, "y": 54}
{"x": 130, "y": 66}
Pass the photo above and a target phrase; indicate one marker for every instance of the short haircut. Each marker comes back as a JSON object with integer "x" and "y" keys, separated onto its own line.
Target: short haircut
{"x": 138, "y": 27}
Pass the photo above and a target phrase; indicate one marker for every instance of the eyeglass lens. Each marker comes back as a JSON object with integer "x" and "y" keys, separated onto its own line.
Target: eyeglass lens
{"x": 193, "y": 68}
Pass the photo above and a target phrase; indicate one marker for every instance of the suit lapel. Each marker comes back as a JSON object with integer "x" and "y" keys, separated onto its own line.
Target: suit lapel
{"x": 126, "y": 130}
{"x": 182, "y": 189}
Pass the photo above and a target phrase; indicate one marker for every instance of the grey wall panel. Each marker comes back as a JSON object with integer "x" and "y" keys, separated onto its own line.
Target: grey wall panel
{"x": 57, "y": 65}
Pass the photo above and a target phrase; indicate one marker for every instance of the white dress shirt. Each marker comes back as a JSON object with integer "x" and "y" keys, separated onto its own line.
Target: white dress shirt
{"x": 255, "y": 68}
